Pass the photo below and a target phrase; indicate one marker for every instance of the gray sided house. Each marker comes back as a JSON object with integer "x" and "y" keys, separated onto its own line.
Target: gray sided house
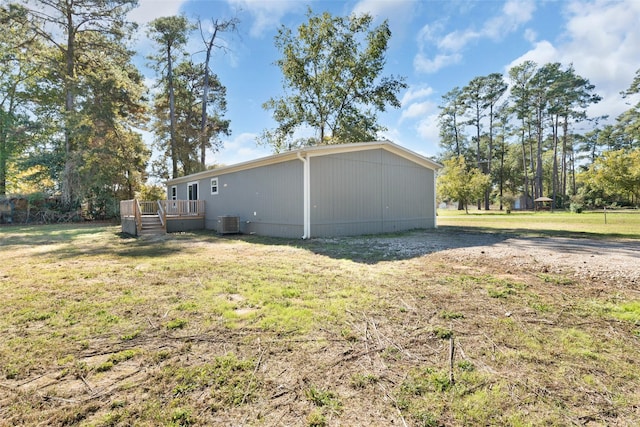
{"x": 333, "y": 190}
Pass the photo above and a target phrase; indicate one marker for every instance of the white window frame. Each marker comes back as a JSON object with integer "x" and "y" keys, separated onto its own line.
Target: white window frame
{"x": 217, "y": 181}
{"x": 173, "y": 192}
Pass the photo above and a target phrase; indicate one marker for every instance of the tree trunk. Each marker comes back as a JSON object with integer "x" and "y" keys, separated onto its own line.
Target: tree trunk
{"x": 565, "y": 154}
{"x": 502, "y": 174}
{"x": 532, "y": 164}
{"x": 478, "y": 158}
{"x": 538, "y": 191}
{"x": 205, "y": 97}
{"x": 68, "y": 191}
{"x": 4, "y": 149}
{"x": 525, "y": 168}
{"x": 172, "y": 116}
{"x": 554, "y": 174}
{"x": 457, "y": 138}
{"x": 3, "y": 166}
{"x": 487, "y": 193}
{"x": 573, "y": 174}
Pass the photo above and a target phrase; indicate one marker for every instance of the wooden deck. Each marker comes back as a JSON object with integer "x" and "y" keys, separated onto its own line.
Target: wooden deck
{"x": 136, "y": 214}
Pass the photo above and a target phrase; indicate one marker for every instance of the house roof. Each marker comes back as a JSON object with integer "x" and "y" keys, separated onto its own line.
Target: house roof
{"x": 320, "y": 150}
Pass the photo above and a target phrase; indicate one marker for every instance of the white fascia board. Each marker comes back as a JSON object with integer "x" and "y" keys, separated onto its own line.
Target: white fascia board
{"x": 320, "y": 150}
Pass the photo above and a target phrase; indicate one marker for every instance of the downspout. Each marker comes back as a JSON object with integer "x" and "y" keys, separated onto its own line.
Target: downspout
{"x": 306, "y": 198}
{"x": 435, "y": 200}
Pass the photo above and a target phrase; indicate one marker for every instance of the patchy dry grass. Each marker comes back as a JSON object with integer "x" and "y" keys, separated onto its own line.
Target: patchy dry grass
{"x": 194, "y": 329}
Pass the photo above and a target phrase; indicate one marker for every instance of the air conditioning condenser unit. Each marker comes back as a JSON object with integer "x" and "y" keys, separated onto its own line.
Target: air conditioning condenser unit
{"x": 228, "y": 224}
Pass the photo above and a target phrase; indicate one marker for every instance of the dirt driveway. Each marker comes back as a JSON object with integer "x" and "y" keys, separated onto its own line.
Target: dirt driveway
{"x": 607, "y": 261}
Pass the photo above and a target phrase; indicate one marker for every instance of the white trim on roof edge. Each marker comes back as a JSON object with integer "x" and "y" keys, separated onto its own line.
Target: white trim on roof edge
{"x": 320, "y": 150}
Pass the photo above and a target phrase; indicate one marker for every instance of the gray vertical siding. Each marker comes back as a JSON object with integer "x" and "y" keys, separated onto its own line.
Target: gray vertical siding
{"x": 409, "y": 195}
{"x": 365, "y": 191}
{"x": 368, "y": 192}
{"x": 267, "y": 199}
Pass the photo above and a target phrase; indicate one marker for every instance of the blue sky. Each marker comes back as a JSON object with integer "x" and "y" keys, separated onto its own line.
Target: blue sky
{"x": 435, "y": 45}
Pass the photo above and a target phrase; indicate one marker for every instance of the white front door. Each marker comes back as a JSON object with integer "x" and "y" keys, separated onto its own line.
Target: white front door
{"x": 192, "y": 194}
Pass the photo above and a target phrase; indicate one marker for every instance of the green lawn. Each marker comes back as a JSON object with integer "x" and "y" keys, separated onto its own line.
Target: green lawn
{"x": 99, "y": 329}
{"x": 610, "y": 224}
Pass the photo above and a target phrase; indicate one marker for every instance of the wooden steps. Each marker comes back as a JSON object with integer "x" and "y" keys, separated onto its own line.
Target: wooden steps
{"x": 151, "y": 225}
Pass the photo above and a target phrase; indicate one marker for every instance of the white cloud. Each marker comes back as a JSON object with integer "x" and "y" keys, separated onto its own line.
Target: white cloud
{"x": 267, "y": 14}
{"x": 422, "y": 63}
{"x": 393, "y": 135}
{"x": 399, "y": 14}
{"x": 428, "y": 34}
{"x": 609, "y": 55}
{"x": 148, "y": 10}
{"x": 457, "y": 40}
{"x": 514, "y": 14}
{"x": 418, "y": 109}
{"x": 392, "y": 10}
{"x": 428, "y": 129}
{"x": 244, "y": 147}
{"x": 416, "y": 92}
{"x": 530, "y": 35}
{"x": 543, "y": 52}
{"x": 240, "y": 149}
{"x": 601, "y": 40}
{"x": 449, "y": 46}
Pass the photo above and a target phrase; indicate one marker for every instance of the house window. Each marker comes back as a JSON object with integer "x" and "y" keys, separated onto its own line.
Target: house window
{"x": 174, "y": 192}
{"x": 214, "y": 185}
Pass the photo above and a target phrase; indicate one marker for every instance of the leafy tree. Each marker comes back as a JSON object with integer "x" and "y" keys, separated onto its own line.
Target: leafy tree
{"x": 458, "y": 182}
{"x": 503, "y": 130}
{"x": 589, "y": 145}
{"x": 76, "y": 31}
{"x": 629, "y": 122}
{"x": 541, "y": 87}
{"x": 17, "y": 75}
{"x": 206, "y": 124}
{"x": 626, "y": 132}
{"x": 474, "y": 98}
{"x": 481, "y": 96}
{"x": 521, "y": 104}
{"x": 88, "y": 104}
{"x": 188, "y": 87}
{"x": 115, "y": 160}
{"x": 171, "y": 35}
{"x": 569, "y": 96}
{"x": 450, "y": 122}
{"x": 616, "y": 175}
{"x": 190, "y": 106}
{"x": 332, "y": 68}
{"x": 495, "y": 87}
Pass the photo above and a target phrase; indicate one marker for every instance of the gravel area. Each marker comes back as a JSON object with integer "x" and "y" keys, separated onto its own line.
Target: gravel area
{"x": 607, "y": 261}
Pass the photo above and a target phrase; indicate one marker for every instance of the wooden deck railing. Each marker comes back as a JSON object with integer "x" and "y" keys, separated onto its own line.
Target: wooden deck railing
{"x": 148, "y": 208}
{"x": 163, "y": 208}
{"x": 162, "y": 214}
{"x": 131, "y": 209}
{"x": 127, "y": 209}
{"x": 183, "y": 207}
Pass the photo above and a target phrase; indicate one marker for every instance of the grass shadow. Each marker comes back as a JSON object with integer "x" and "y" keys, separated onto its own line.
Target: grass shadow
{"x": 373, "y": 249}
